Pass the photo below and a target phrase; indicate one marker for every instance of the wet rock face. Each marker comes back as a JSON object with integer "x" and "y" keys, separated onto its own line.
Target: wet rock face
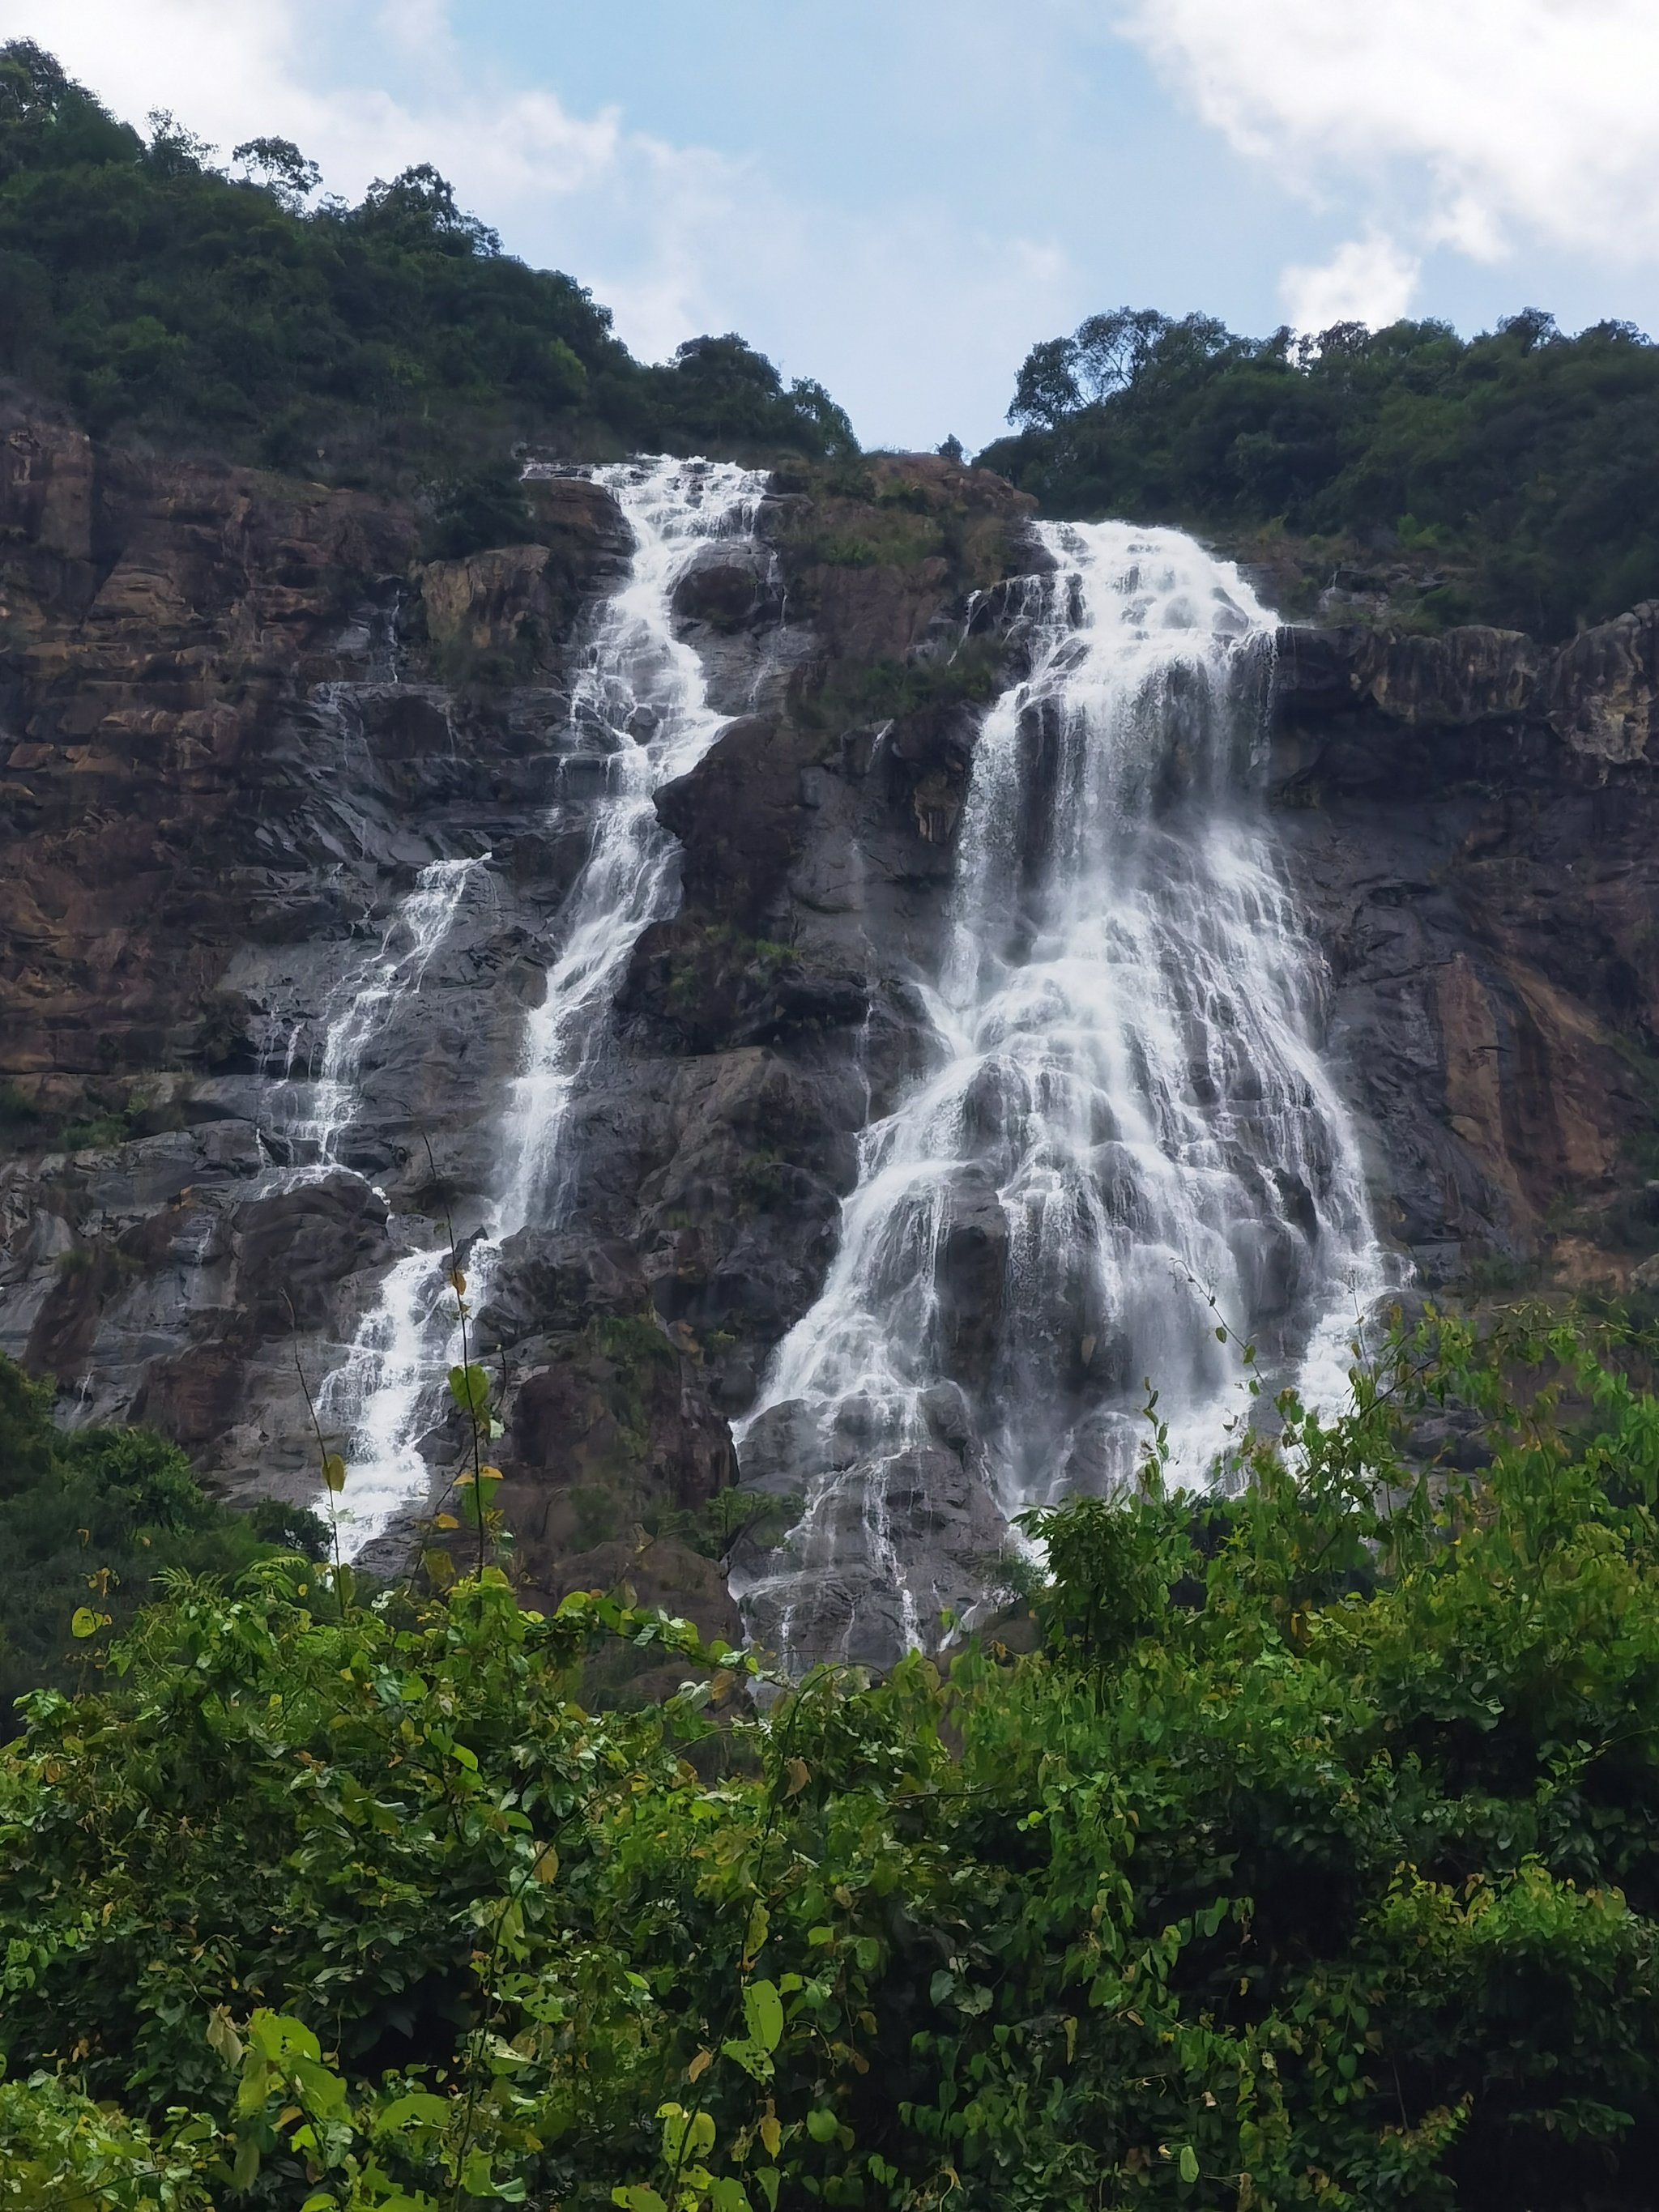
{"x": 238, "y": 718}
{"x": 1473, "y": 823}
{"x": 242, "y": 718}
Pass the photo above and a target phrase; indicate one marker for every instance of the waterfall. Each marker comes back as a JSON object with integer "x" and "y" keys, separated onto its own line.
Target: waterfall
{"x": 317, "y": 1110}
{"x": 642, "y": 701}
{"x": 1125, "y": 1115}
{"x": 639, "y": 708}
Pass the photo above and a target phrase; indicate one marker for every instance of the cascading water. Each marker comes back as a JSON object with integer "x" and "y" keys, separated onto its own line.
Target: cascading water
{"x": 640, "y": 707}
{"x": 642, "y": 699}
{"x": 315, "y": 1111}
{"x": 1126, "y": 1114}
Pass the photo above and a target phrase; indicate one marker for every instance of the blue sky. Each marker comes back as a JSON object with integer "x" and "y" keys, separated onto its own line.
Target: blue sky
{"x": 899, "y": 197}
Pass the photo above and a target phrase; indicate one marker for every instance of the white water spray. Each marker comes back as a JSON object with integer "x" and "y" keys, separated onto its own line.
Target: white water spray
{"x": 641, "y": 706}
{"x": 642, "y": 698}
{"x": 318, "y": 1110}
{"x": 1126, "y": 1114}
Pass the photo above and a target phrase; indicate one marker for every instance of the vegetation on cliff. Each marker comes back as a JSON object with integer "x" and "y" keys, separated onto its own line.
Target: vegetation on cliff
{"x": 90, "y": 1519}
{"x": 151, "y": 289}
{"x": 1517, "y": 471}
{"x": 1311, "y": 1859}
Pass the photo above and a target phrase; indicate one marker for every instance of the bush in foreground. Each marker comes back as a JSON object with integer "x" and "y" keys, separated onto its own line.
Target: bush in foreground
{"x": 1313, "y": 1860}
{"x": 89, "y": 1517}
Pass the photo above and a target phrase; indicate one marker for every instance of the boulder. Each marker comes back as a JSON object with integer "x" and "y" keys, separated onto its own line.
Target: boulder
{"x": 1604, "y": 688}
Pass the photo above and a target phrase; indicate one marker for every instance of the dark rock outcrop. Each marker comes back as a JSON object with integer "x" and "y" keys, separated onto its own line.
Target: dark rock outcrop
{"x": 1476, "y": 826}
{"x": 238, "y": 716}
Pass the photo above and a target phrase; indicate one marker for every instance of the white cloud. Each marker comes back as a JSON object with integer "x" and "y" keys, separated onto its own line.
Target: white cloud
{"x": 237, "y": 69}
{"x": 1479, "y": 126}
{"x": 1369, "y": 280}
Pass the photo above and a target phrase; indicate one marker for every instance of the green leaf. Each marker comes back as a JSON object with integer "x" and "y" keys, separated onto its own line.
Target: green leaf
{"x": 470, "y": 1388}
{"x": 637, "y": 2197}
{"x": 1188, "y": 2163}
{"x": 822, "y": 2125}
{"x": 760, "y": 1923}
{"x": 83, "y": 1622}
{"x": 419, "y": 2106}
{"x": 222, "y": 2038}
{"x": 476, "y": 1498}
{"x": 762, "y": 2013}
{"x": 750, "y": 2056}
{"x": 334, "y": 1471}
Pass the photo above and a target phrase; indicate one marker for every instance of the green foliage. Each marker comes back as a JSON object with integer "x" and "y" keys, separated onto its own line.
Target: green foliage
{"x": 148, "y": 286}
{"x": 65, "y": 2154}
{"x": 715, "y": 1526}
{"x": 27, "y": 1126}
{"x": 722, "y": 392}
{"x": 98, "y": 1514}
{"x": 883, "y": 690}
{"x": 1527, "y": 463}
{"x": 484, "y": 507}
{"x": 1312, "y": 1861}
{"x": 97, "y": 1132}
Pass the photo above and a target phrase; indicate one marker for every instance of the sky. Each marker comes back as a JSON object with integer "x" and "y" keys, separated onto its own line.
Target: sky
{"x": 899, "y": 198}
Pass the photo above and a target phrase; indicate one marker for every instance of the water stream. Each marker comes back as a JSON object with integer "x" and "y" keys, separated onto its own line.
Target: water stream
{"x": 314, "y": 1110}
{"x": 1126, "y": 1114}
{"x": 639, "y": 709}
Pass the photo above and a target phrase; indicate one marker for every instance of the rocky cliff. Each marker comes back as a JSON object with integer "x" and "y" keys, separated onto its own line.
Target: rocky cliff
{"x": 1473, "y": 823}
{"x": 239, "y": 715}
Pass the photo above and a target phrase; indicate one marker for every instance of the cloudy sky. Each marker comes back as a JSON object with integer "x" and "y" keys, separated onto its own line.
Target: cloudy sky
{"x": 898, "y": 196}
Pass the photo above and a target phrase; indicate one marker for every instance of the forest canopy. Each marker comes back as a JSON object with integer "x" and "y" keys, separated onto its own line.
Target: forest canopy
{"x": 1524, "y": 463}
{"x": 156, "y": 289}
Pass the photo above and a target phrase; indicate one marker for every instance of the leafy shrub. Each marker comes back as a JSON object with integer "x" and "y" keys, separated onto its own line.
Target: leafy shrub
{"x": 21, "y": 1119}
{"x": 1311, "y": 1860}
{"x": 90, "y": 1517}
{"x": 484, "y": 507}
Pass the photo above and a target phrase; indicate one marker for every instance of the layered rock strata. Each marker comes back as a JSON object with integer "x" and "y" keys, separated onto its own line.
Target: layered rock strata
{"x": 238, "y": 715}
{"x": 1475, "y": 824}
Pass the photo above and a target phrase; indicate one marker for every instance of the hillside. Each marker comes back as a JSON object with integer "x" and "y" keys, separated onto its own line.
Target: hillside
{"x": 1510, "y": 479}
{"x": 162, "y": 296}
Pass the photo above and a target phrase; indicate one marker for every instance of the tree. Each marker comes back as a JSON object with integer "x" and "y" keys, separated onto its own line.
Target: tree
{"x": 394, "y": 341}
{"x": 1525, "y": 460}
{"x": 279, "y": 167}
{"x": 1309, "y": 1858}
{"x": 1110, "y": 351}
{"x": 1046, "y": 389}
{"x": 418, "y": 208}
